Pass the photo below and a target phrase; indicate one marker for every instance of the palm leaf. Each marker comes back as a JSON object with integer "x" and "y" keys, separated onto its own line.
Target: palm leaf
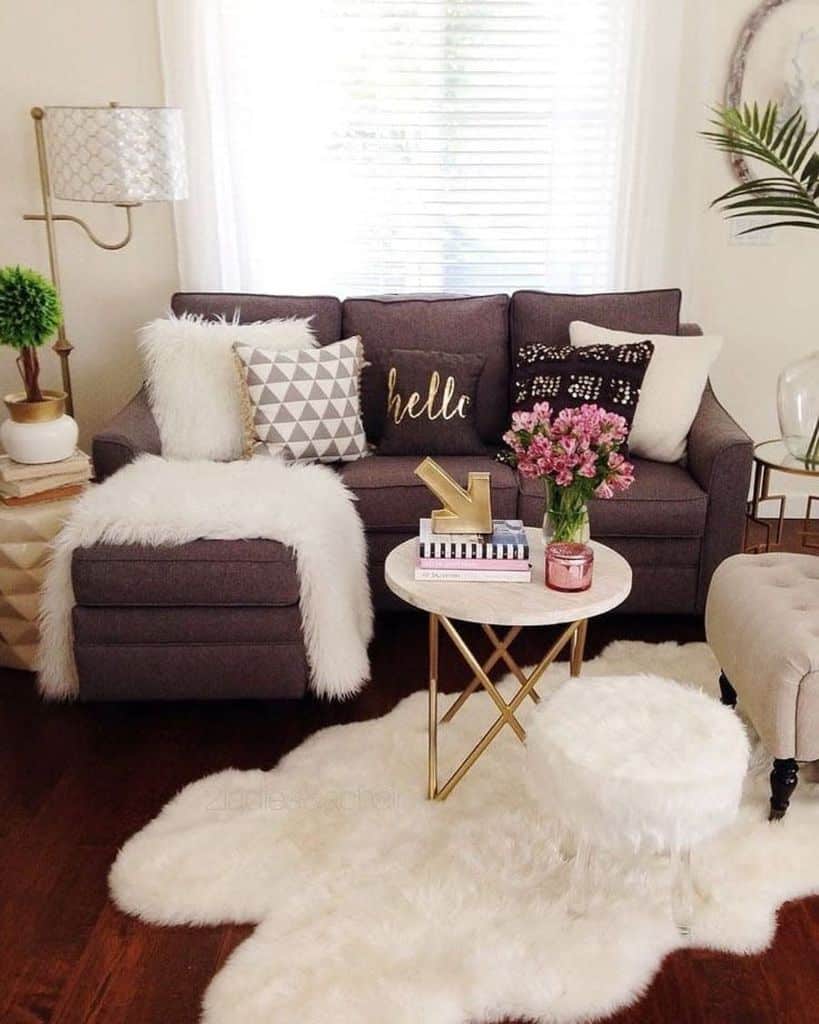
{"x": 780, "y": 224}
{"x": 791, "y": 195}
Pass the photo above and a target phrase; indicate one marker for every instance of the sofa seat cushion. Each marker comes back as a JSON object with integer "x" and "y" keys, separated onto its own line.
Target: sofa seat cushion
{"x": 392, "y": 498}
{"x": 204, "y": 573}
{"x": 663, "y": 501}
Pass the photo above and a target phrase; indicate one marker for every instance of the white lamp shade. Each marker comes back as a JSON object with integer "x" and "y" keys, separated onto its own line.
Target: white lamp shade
{"x": 116, "y": 154}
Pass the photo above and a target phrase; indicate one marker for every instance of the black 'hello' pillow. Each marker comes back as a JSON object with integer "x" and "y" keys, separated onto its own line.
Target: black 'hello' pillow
{"x": 430, "y": 403}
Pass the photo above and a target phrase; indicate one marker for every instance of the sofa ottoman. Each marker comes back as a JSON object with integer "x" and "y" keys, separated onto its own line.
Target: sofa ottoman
{"x": 210, "y": 619}
{"x": 762, "y": 623}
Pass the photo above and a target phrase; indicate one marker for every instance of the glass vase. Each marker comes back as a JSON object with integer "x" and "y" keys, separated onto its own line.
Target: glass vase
{"x": 566, "y": 519}
{"x": 798, "y": 408}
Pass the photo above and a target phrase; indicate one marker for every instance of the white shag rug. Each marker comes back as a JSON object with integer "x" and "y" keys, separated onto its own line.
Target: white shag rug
{"x": 376, "y": 905}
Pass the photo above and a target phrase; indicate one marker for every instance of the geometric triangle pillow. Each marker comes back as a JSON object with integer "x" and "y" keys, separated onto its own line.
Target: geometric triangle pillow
{"x": 303, "y": 404}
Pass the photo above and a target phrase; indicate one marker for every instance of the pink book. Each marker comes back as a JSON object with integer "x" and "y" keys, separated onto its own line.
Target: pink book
{"x": 478, "y": 564}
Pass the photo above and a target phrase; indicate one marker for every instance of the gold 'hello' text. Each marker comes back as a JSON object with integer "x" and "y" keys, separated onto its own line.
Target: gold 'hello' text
{"x": 416, "y": 407}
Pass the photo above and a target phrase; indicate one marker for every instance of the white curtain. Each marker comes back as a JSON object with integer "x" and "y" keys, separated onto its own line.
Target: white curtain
{"x": 354, "y": 146}
{"x": 647, "y": 253}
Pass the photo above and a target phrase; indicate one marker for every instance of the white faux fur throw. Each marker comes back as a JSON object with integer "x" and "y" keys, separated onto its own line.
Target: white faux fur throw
{"x": 157, "y": 502}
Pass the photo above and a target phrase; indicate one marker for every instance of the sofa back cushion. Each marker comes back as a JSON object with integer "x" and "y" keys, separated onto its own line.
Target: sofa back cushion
{"x": 544, "y": 317}
{"x": 466, "y": 325}
{"x": 324, "y": 309}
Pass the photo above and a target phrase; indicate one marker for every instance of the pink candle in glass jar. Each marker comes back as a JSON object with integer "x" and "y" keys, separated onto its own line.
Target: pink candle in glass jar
{"x": 569, "y": 566}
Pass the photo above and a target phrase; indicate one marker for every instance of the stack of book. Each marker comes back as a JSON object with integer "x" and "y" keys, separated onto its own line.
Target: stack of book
{"x": 23, "y": 484}
{"x": 499, "y": 557}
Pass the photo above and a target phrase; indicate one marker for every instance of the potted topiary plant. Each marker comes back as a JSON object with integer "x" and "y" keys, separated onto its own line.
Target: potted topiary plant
{"x": 38, "y": 429}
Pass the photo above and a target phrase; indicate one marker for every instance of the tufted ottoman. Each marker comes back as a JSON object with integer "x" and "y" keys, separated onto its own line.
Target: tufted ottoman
{"x": 762, "y": 622}
{"x": 632, "y": 763}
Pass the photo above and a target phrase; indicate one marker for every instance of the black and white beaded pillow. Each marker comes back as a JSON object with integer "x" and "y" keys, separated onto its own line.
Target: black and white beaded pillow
{"x": 606, "y": 375}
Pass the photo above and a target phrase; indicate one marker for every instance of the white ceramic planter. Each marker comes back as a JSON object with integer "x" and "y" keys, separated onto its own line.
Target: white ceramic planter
{"x": 39, "y": 432}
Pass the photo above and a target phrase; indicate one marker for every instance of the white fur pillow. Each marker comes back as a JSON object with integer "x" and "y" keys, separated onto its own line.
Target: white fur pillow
{"x": 672, "y": 387}
{"x": 192, "y": 384}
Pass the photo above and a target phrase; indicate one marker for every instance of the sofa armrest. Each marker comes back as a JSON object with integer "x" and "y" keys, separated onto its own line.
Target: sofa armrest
{"x": 720, "y": 455}
{"x": 133, "y": 431}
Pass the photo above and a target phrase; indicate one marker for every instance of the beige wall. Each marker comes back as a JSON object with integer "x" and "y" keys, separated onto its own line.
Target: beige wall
{"x": 764, "y": 299}
{"x": 75, "y": 52}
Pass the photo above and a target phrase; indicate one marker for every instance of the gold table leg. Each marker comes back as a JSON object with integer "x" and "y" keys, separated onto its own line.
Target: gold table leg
{"x": 578, "y": 647}
{"x": 432, "y": 786}
{"x": 810, "y": 536}
{"x": 485, "y": 681}
{"x": 761, "y": 491}
{"x": 574, "y": 632}
{"x": 501, "y": 651}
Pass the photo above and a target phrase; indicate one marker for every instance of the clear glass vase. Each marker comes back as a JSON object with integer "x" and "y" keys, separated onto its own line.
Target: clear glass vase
{"x": 798, "y": 408}
{"x": 566, "y": 518}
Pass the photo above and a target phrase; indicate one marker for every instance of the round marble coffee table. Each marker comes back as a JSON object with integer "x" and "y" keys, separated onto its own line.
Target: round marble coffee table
{"x": 511, "y": 605}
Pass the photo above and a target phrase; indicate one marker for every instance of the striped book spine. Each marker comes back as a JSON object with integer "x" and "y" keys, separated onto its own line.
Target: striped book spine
{"x": 471, "y": 549}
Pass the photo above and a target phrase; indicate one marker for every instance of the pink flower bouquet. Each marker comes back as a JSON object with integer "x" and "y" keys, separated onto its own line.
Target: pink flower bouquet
{"x": 576, "y": 452}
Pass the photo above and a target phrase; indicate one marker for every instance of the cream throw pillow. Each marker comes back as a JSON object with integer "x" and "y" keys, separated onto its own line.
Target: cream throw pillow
{"x": 672, "y": 387}
{"x": 191, "y": 378}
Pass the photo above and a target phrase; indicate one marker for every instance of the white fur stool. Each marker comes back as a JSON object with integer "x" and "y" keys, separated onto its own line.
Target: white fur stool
{"x": 637, "y": 762}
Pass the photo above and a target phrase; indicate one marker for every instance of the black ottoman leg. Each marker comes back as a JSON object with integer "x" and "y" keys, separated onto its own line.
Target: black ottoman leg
{"x": 728, "y": 693}
{"x": 784, "y": 777}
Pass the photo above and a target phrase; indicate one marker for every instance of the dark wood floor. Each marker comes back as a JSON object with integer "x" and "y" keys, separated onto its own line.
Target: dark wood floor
{"x": 76, "y": 781}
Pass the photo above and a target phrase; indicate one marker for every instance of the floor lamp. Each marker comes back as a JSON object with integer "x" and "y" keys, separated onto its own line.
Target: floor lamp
{"x": 124, "y": 156}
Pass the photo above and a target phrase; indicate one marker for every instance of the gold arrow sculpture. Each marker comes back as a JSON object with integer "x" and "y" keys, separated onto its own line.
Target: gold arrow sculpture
{"x": 464, "y": 511}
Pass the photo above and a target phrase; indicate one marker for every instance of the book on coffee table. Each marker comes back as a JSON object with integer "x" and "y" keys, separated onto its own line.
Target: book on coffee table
{"x": 499, "y": 557}
{"x": 507, "y": 542}
{"x": 522, "y": 575}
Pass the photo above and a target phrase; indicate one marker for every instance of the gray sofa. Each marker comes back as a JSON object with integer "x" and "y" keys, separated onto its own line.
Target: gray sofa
{"x": 220, "y": 619}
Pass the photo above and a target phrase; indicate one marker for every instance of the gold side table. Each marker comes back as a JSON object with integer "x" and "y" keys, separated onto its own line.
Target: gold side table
{"x": 770, "y": 457}
{"x": 25, "y": 535}
{"x": 512, "y": 606}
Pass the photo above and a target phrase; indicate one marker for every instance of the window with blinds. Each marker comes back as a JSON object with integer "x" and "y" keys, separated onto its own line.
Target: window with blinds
{"x": 423, "y": 145}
